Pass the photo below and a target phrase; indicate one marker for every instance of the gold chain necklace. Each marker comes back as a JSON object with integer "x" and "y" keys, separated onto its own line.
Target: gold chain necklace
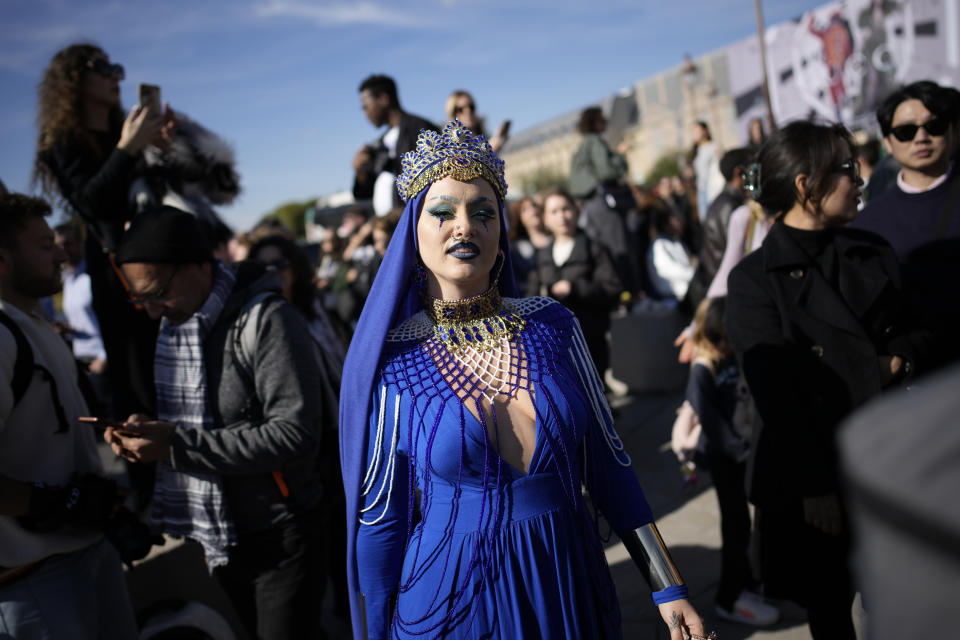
{"x": 479, "y": 323}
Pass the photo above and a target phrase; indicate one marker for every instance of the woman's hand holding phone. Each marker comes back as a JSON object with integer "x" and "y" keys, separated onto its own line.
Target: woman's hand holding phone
{"x": 139, "y": 129}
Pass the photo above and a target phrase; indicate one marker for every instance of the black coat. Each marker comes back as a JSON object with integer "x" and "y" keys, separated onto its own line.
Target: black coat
{"x": 811, "y": 352}
{"x": 714, "y": 242}
{"x": 594, "y": 285}
{"x": 594, "y": 289}
{"x": 96, "y": 182}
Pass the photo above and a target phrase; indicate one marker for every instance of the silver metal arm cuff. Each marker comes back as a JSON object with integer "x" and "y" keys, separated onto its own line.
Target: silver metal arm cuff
{"x": 651, "y": 556}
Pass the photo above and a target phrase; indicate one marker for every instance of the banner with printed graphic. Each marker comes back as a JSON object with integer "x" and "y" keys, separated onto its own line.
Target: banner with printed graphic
{"x": 838, "y": 61}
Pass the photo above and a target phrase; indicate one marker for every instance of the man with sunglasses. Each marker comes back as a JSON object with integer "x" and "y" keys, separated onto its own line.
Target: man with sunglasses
{"x": 241, "y": 400}
{"x": 920, "y": 214}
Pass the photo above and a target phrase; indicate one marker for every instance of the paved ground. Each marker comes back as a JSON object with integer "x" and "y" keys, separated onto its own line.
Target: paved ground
{"x": 688, "y": 520}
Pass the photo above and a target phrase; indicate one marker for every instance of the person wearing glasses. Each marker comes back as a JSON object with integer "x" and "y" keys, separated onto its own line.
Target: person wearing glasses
{"x": 88, "y": 156}
{"x": 242, "y": 400}
{"x": 815, "y": 317}
{"x": 920, "y": 214}
{"x": 460, "y": 106}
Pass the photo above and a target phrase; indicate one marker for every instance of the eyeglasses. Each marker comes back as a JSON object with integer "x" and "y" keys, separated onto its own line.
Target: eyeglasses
{"x": 851, "y": 168}
{"x": 463, "y": 107}
{"x": 907, "y": 132}
{"x": 103, "y": 68}
{"x": 157, "y": 295}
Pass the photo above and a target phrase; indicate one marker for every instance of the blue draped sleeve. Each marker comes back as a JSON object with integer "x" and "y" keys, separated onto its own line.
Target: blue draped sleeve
{"x": 608, "y": 472}
{"x": 383, "y": 526}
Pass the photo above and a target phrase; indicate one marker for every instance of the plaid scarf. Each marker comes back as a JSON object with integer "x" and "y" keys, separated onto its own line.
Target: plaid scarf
{"x": 188, "y": 504}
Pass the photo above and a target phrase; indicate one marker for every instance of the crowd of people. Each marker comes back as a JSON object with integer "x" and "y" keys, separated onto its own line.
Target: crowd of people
{"x": 409, "y": 419}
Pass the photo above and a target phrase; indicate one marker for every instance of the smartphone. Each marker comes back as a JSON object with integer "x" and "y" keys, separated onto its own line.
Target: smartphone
{"x": 100, "y": 423}
{"x": 148, "y": 96}
{"x": 505, "y": 128}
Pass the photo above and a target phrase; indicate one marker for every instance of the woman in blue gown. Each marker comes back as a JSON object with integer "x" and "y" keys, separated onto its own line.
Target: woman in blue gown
{"x": 471, "y": 421}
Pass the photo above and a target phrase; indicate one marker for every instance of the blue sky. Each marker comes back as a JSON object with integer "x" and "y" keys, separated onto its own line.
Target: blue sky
{"x": 278, "y": 78}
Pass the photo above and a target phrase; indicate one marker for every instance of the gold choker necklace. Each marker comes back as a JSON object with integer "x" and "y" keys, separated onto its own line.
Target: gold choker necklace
{"x": 480, "y": 322}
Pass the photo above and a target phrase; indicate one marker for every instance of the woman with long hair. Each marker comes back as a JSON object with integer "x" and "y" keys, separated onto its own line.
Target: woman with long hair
{"x": 704, "y": 158}
{"x": 87, "y": 156}
{"x": 597, "y": 180}
{"x": 292, "y": 265}
{"x": 815, "y": 317}
{"x": 577, "y": 272}
{"x": 470, "y": 421}
{"x": 715, "y": 396}
{"x": 461, "y": 106}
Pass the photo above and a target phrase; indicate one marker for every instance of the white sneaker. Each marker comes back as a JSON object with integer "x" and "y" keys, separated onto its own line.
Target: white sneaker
{"x": 747, "y": 610}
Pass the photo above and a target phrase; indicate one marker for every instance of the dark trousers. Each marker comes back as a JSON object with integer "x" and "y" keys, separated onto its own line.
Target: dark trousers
{"x": 735, "y": 575}
{"x": 830, "y": 616}
{"x": 276, "y": 578}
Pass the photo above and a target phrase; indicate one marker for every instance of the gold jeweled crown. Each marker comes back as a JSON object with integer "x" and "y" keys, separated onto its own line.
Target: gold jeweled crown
{"x": 457, "y": 153}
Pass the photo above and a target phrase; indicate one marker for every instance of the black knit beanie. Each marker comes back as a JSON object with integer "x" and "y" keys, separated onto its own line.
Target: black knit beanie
{"x": 164, "y": 235}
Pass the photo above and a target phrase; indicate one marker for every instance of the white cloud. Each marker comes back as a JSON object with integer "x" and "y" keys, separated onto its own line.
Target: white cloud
{"x": 340, "y": 14}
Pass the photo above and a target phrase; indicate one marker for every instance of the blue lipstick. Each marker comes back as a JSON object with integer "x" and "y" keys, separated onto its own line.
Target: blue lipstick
{"x": 464, "y": 251}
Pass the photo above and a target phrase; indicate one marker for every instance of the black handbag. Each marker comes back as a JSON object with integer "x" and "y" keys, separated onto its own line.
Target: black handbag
{"x": 617, "y": 196}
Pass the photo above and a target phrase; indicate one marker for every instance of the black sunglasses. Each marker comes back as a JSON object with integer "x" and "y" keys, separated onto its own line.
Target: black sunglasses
{"x": 906, "y": 132}
{"x": 457, "y": 109}
{"x": 157, "y": 294}
{"x": 103, "y": 68}
{"x": 850, "y": 167}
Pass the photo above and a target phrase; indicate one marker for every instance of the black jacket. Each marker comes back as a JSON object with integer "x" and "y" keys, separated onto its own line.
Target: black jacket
{"x": 713, "y": 242}
{"x": 410, "y": 127}
{"x": 810, "y": 352}
{"x": 594, "y": 285}
{"x": 95, "y": 181}
{"x": 715, "y": 225}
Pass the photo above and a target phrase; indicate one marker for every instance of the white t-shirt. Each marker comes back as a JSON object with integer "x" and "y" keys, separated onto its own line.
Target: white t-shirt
{"x": 385, "y": 183}
{"x": 562, "y": 250}
{"x": 32, "y": 449}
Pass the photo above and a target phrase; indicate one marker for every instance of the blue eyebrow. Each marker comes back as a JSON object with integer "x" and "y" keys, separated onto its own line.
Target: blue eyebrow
{"x": 480, "y": 199}
{"x": 447, "y": 198}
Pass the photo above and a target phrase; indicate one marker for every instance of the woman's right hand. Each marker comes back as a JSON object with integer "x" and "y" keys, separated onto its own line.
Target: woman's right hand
{"x": 140, "y": 128}
{"x": 682, "y": 619}
{"x": 685, "y": 342}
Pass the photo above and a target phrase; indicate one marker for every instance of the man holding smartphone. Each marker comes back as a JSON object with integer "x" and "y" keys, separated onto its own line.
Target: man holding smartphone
{"x": 242, "y": 398}
{"x": 59, "y": 577}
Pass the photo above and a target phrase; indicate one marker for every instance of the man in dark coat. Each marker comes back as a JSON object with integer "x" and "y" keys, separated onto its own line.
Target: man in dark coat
{"x": 920, "y": 214}
{"x": 377, "y": 165}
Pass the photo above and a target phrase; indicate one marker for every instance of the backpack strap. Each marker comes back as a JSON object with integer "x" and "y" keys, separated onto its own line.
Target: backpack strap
{"x": 23, "y": 368}
{"x": 23, "y": 365}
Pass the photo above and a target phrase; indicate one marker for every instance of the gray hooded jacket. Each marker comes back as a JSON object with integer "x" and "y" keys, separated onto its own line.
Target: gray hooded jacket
{"x": 272, "y": 423}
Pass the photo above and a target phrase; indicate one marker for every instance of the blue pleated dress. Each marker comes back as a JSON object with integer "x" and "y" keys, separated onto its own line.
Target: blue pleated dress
{"x": 485, "y": 550}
